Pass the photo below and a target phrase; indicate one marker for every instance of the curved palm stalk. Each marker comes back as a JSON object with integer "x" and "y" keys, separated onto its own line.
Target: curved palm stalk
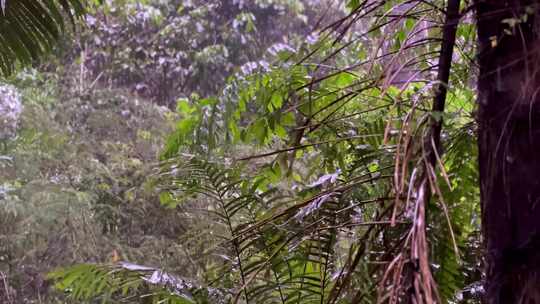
{"x": 30, "y": 28}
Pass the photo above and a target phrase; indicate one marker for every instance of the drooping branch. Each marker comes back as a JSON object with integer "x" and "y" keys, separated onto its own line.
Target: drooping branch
{"x": 424, "y": 289}
{"x": 418, "y": 284}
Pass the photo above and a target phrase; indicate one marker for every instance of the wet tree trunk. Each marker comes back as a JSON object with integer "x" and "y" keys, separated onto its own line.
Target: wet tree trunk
{"x": 509, "y": 148}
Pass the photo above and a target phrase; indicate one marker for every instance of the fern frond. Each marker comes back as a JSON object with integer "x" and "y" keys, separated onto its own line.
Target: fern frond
{"x": 122, "y": 281}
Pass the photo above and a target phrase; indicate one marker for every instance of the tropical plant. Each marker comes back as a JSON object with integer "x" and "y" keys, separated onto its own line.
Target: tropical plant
{"x": 29, "y": 29}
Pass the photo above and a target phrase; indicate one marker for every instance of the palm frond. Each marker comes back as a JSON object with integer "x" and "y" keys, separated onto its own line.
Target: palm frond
{"x": 30, "y": 28}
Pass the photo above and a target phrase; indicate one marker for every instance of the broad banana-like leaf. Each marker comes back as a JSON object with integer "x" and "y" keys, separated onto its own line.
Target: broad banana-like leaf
{"x": 30, "y": 28}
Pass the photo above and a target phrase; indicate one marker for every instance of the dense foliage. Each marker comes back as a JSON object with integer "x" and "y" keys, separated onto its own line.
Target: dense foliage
{"x": 163, "y": 50}
{"x": 264, "y": 151}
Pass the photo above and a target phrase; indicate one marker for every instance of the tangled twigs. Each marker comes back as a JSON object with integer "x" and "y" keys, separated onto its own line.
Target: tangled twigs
{"x": 409, "y": 273}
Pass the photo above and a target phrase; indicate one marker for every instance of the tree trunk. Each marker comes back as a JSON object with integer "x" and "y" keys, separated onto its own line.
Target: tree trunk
{"x": 509, "y": 148}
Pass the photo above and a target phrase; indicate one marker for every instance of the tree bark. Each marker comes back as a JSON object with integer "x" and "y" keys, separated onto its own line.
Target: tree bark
{"x": 509, "y": 148}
